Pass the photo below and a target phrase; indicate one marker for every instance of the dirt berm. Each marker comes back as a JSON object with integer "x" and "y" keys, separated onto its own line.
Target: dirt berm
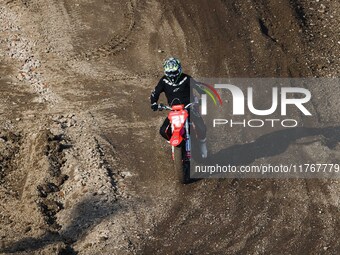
{"x": 83, "y": 169}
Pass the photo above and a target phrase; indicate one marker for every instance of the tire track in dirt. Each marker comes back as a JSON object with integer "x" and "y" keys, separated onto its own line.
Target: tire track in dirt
{"x": 117, "y": 44}
{"x": 114, "y": 44}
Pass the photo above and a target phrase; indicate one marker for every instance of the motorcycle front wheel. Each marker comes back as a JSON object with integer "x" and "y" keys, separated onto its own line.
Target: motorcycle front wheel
{"x": 182, "y": 165}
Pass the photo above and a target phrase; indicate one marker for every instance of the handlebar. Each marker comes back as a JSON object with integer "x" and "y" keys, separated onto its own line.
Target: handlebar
{"x": 189, "y": 105}
{"x": 162, "y": 107}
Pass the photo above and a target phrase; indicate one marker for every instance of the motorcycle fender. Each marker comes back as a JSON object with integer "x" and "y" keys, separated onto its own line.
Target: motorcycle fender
{"x": 176, "y": 140}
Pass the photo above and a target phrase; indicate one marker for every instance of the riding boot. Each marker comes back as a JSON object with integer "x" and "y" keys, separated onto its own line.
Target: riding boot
{"x": 203, "y": 148}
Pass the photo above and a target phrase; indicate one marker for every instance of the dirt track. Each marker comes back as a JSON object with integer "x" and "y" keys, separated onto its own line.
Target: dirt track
{"x": 83, "y": 169}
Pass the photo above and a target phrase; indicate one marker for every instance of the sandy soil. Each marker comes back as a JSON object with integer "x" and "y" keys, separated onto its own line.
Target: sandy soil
{"x": 83, "y": 169}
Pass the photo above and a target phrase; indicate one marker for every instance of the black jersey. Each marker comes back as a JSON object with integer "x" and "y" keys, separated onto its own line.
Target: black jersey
{"x": 176, "y": 93}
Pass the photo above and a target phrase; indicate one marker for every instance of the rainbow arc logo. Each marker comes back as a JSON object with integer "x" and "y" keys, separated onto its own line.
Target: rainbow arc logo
{"x": 212, "y": 92}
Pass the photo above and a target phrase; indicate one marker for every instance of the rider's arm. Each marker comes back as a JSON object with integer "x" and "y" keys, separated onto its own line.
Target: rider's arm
{"x": 156, "y": 92}
{"x": 197, "y": 86}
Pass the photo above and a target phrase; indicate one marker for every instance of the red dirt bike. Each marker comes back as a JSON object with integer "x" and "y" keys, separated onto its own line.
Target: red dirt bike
{"x": 180, "y": 139}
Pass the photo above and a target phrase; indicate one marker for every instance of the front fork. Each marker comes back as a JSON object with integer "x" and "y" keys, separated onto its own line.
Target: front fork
{"x": 187, "y": 142}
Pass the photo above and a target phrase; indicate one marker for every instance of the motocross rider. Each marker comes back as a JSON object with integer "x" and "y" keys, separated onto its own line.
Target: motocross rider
{"x": 176, "y": 86}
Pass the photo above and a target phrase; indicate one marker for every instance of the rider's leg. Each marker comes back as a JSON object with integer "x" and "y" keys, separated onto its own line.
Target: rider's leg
{"x": 201, "y": 131}
{"x": 165, "y": 129}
